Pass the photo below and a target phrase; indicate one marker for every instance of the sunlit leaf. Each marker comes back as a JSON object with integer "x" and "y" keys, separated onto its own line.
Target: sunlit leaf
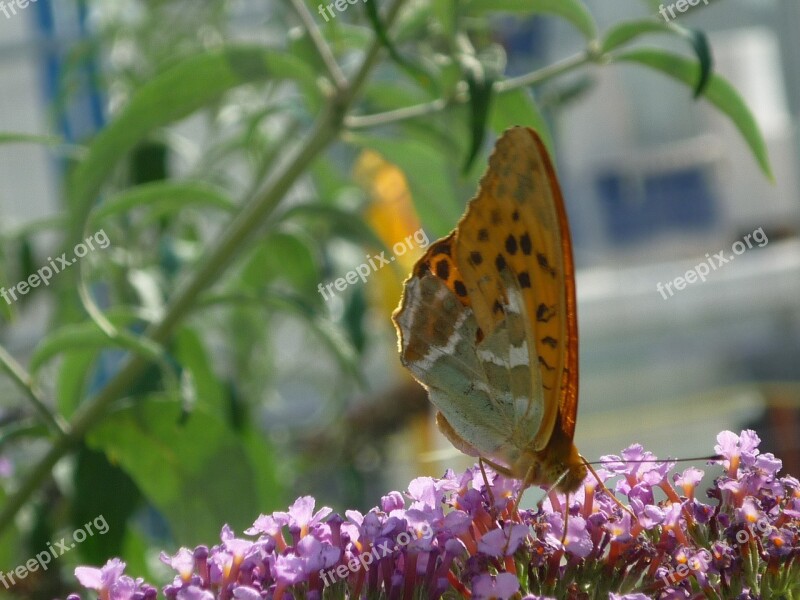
{"x": 719, "y": 92}
{"x": 518, "y": 108}
{"x": 573, "y": 11}
{"x": 185, "y": 87}
{"x": 627, "y": 31}
{"x": 162, "y": 198}
{"x": 197, "y": 473}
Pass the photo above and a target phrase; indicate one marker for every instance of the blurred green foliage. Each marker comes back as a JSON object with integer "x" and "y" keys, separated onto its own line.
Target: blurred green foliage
{"x": 223, "y": 179}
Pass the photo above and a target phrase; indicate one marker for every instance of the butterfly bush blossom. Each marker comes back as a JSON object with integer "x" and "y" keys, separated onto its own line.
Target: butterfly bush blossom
{"x": 454, "y": 537}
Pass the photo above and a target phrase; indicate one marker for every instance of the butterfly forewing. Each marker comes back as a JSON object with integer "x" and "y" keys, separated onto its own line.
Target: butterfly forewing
{"x": 508, "y": 265}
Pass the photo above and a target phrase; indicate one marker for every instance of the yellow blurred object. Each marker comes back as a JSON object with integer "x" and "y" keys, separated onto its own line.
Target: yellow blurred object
{"x": 391, "y": 215}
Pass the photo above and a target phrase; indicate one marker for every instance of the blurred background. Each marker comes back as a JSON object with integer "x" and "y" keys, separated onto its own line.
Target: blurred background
{"x": 159, "y": 122}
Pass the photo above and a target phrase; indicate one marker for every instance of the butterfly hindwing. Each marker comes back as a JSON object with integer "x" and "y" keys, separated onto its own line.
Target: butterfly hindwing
{"x": 437, "y": 337}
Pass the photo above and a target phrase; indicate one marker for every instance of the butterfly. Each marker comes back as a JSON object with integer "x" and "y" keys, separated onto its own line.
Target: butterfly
{"x": 488, "y": 324}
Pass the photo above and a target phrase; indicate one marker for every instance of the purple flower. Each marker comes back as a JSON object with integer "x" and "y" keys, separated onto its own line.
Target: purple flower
{"x": 301, "y": 514}
{"x": 311, "y": 556}
{"x": 109, "y": 581}
{"x": 193, "y": 592}
{"x": 500, "y": 587}
{"x": 182, "y": 562}
{"x": 452, "y": 539}
{"x": 503, "y": 542}
{"x": 688, "y": 480}
{"x": 737, "y": 448}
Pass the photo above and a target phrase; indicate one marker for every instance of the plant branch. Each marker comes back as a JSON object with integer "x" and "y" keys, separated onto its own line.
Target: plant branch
{"x": 321, "y": 46}
{"x": 208, "y": 270}
{"x": 32, "y": 392}
{"x": 461, "y": 95}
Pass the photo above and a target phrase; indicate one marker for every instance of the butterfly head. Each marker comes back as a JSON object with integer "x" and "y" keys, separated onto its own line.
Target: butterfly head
{"x": 563, "y": 467}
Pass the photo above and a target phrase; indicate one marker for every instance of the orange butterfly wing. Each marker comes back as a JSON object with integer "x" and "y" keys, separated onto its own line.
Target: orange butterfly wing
{"x": 488, "y": 320}
{"x": 515, "y": 236}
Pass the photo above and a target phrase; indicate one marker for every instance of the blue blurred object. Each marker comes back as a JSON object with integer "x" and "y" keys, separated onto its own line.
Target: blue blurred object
{"x": 681, "y": 200}
{"x": 59, "y": 27}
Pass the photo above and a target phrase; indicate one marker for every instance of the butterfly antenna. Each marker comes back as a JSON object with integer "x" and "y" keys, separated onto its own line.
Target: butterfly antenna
{"x": 488, "y": 488}
{"x": 654, "y": 460}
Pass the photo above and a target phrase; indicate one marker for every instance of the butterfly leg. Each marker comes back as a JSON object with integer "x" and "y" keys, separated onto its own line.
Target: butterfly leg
{"x": 503, "y": 471}
{"x": 488, "y": 487}
{"x": 606, "y": 490}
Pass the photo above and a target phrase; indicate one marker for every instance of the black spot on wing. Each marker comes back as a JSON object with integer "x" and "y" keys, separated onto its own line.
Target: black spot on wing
{"x": 545, "y": 264}
{"x": 543, "y": 362}
{"x": 544, "y": 313}
{"x": 549, "y": 341}
{"x": 511, "y": 245}
{"x": 525, "y": 244}
{"x": 443, "y": 269}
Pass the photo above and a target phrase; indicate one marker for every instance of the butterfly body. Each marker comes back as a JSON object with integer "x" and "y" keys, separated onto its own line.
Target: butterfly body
{"x": 488, "y": 325}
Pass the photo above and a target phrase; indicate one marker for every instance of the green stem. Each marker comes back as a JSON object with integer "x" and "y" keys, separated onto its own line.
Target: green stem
{"x": 462, "y": 94}
{"x": 32, "y": 392}
{"x": 322, "y": 48}
{"x": 209, "y": 268}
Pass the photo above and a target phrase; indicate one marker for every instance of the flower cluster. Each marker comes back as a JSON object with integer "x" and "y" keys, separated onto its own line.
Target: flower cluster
{"x": 462, "y": 536}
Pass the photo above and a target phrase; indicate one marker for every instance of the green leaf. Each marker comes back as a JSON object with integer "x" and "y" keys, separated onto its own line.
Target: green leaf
{"x": 185, "y": 87}
{"x": 629, "y": 30}
{"x": 71, "y": 381}
{"x": 69, "y": 338}
{"x": 446, "y": 15}
{"x": 329, "y": 334}
{"x": 414, "y": 69}
{"x": 191, "y": 353}
{"x": 342, "y": 223}
{"x": 573, "y": 11}
{"x": 43, "y": 140}
{"x": 283, "y": 258}
{"x": 428, "y": 173}
{"x": 198, "y": 473}
{"x": 518, "y": 108}
{"x": 719, "y": 92}
{"x": 84, "y": 336}
{"x": 106, "y": 498}
{"x": 480, "y": 100}
{"x": 10, "y": 543}
{"x": 162, "y": 198}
